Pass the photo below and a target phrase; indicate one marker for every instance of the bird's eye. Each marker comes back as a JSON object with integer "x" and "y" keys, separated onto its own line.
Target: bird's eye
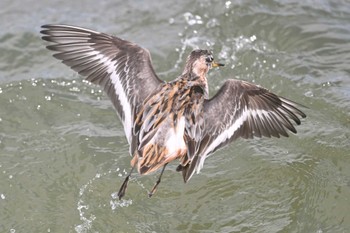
{"x": 209, "y": 59}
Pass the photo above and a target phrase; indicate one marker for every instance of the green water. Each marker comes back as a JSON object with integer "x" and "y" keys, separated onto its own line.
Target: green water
{"x": 63, "y": 154}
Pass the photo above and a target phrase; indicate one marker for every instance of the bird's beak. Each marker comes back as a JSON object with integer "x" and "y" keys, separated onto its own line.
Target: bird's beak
{"x": 215, "y": 64}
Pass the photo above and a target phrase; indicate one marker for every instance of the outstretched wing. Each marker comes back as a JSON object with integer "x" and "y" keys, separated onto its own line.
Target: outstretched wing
{"x": 242, "y": 109}
{"x": 121, "y": 68}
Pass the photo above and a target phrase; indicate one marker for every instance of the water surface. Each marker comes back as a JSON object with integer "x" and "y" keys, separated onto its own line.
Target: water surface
{"x": 63, "y": 154}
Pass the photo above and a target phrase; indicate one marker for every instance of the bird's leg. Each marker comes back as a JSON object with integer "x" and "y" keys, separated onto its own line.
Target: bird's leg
{"x": 122, "y": 189}
{"x": 157, "y": 183}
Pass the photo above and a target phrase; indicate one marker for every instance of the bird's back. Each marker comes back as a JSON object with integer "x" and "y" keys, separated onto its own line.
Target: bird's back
{"x": 168, "y": 125}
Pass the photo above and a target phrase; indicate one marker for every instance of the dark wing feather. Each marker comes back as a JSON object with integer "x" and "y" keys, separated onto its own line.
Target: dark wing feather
{"x": 242, "y": 109}
{"x": 121, "y": 68}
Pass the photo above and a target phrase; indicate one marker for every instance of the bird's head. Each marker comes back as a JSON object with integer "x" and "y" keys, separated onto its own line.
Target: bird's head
{"x": 199, "y": 62}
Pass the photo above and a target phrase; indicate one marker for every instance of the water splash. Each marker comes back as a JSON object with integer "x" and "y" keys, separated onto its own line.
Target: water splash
{"x": 119, "y": 203}
{"x": 192, "y": 19}
{"x": 85, "y": 210}
{"x": 87, "y": 222}
{"x": 82, "y": 207}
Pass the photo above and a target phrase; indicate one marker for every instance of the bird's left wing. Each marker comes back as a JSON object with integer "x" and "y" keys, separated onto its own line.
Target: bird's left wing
{"x": 121, "y": 68}
{"x": 242, "y": 109}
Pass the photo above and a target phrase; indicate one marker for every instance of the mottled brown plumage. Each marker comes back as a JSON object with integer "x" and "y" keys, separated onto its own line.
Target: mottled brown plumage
{"x": 166, "y": 121}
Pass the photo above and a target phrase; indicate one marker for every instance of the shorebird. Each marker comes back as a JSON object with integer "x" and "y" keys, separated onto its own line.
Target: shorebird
{"x": 166, "y": 121}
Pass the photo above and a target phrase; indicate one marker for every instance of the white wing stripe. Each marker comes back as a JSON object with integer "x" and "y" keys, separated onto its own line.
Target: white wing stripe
{"x": 228, "y": 133}
{"x": 120, "y": 93}
{"x": 222, "y": 137}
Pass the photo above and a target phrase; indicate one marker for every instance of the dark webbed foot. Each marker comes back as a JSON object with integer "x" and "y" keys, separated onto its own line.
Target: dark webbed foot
{"x": 122, "y": 189}
{"x": 154, "y": 189}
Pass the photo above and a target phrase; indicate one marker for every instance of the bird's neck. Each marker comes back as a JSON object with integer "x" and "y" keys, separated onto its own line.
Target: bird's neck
{"x": 191, "y": 79}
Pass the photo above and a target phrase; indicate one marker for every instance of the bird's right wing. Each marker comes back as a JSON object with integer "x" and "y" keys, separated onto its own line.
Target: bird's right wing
{"x": 121, "y": 68}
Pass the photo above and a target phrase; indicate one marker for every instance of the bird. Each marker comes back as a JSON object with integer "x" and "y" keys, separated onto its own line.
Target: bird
{"x": 175, "y": 120}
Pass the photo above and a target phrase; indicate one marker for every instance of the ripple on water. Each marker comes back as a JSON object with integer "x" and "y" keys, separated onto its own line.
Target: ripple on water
{"x": 60, "y": 141}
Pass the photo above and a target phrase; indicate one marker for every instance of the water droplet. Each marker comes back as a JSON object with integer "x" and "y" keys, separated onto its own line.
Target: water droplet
{"x": 309, "y": 94}
{"x": 209, "y": 44}
{"x": 74, "y": 89}
{"x": 252, "y": 38}
{"x": 192, "y": 19}
{"x": 212, "y": 23}
{"x": 2, "y": 196}
{"x": 171, "y": 21}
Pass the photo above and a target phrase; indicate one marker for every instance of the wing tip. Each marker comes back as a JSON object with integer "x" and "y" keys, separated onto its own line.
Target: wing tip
{"x": 189, "y": 170}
